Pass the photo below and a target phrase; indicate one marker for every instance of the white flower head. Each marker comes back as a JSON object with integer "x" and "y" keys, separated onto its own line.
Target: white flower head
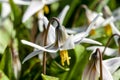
{"x": 96, "y": 68}
{"x": 63, "y": 41}
{"x": 34, "y": 7}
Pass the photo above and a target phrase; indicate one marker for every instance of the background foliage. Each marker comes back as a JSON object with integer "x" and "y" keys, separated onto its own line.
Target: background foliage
{"x": 12, "y": 30}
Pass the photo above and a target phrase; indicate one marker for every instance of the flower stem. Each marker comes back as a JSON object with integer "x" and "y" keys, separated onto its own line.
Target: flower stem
{"x": 45, "y": 42}
{"x": 100, "y": 57}
{"x": 108, "y": 42}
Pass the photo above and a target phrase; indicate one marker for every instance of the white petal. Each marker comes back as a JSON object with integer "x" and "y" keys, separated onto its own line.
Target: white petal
{"x": 63, "y": 13}
{"x": 69, "y": 44}
{"x": 22, "y": 2}
{"x": 91, "y": 15}
{"x": 34, "y": 7}
{"x": 50, "y": 1}
{"x": 4, "y": 1}
{"x": 93, "y": 23}
{"x": 78, "y": 37}
{"x": 108, "y": 51}
{"x": 90, "y": 41}
{"x": 37, "y": 46}
{"x": 40, "y": 52}
{"x": 51, "y": 32}
{"x": 116, "y": 12}
{"x": 70, "y": 31}
{"x": 40, "y": 22}
{"x": 112, "y": 64}
{"x": 115, "y": 31}
{"x": 31, "y": 55}
{"x": 5, "y": 10}
{"x": 106, "y": 73}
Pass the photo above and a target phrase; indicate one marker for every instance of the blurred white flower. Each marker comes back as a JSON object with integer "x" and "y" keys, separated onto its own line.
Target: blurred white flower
{"x": 35, "y": 6}
{"x": 6, "y": 9}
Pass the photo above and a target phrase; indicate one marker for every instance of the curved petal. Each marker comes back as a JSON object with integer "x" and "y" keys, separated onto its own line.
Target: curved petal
{"x": 5, "y": 10}
{"x": 78, "y": 37}
{"x": 36, "y": 52}
{"x": 38, "y": 47}
{"x": 91, "y": 15}
{"x": 115, "y": 31}
{"x": 22, "y": 2}
{"x": 112, "y": 64}
{"x": 50, "y": 1}
{"x": 51, "y": 32}
{"x": 35, "y": 6}
{"x": 108, "y": 51}
{"x": 63, "y": 13}
{"x": 106, "y": 73}
{"x": 90, "y": 41}
{"x": 31, "y": 55}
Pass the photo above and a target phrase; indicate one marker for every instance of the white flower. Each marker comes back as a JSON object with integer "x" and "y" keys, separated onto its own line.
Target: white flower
{"x": 108, "y": 51}
{"x": 92, "y": 70}
{"x": 91, "y": 15}
{"x": 63, "y": 42}
{"x": 51, "y": 36}
{"x": 34, "y": 7}
{"x": 6, "y": 9}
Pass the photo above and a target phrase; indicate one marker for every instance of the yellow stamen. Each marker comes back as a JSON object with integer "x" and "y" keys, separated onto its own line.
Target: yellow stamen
{"x": 92, "y": 32}
{"x": 46, "y": 9}
{"x": 40, "y": 11}
{"x": 64, "y": 57}
{"x": 108, "y": 30}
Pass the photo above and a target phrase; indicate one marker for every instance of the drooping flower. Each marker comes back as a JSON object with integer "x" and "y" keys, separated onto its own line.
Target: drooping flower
{"x": 109, "y": 66}
{"x": 96, "y": 68}
{"x": 63, "y": 42}
{"x": 51, "y": 36}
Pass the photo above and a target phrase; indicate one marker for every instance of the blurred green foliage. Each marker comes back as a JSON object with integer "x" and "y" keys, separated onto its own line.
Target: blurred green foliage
{"x": 12, "y": 30}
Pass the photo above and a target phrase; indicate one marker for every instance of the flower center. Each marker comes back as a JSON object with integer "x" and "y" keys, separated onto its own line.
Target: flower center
{"x": 108, "y": 29}
{"x": 64, "y": 57}
{"x": 92, "y": 32}
{"x": 46, "y": 9}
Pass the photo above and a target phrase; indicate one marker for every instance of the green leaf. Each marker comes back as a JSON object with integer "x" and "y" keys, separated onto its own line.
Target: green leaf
{"x": 6, "y": 63}
{"x": 56, "y": 68}
{"x": 4, "y": 40}
{"x": 3, "y": 76}
{"x": 45, "y": 77}
{"x": 16, "y": 13}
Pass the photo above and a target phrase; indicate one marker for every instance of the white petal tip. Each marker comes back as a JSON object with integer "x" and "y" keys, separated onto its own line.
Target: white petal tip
{"x": 101, "y": 14}
{"x": 23, "y": 41}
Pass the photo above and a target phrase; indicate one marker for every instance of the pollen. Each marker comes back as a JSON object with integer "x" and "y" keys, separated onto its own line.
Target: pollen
{"x": 46, "y": 9}
{"x": 64, "y": 57}
{"x": 92, "y": 32}
{"x": 108, "y": 30}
